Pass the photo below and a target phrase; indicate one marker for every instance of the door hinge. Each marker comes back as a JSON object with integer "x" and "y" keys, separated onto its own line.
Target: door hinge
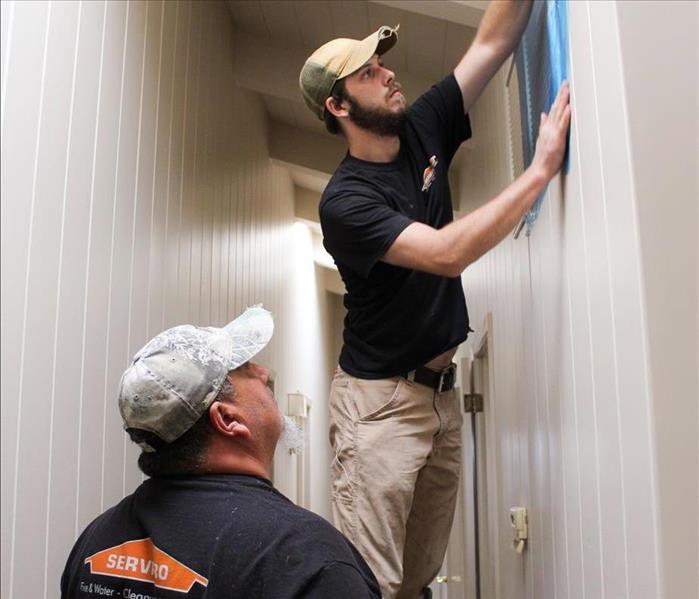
{"x": 473, "y": 402}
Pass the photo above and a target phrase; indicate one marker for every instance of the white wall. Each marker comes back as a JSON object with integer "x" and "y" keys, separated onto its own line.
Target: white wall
{"x": 136, "y": 194}
{"x": 595, "y": 319}
{"x": 307, "y": 362}
{"x": 663, "y": 130}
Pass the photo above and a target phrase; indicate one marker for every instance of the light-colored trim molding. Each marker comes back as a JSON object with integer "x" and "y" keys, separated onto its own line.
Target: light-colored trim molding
{"x": 461, "y": 12}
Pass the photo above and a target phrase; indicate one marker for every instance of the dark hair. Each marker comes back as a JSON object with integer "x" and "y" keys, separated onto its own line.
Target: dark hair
{"x": 338, "y": 93}
{"x": 187, "y": 453}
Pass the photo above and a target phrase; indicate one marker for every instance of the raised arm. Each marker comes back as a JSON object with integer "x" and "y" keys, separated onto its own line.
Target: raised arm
{"x": 498, "y": 34}
{"x": 448, "y": 251}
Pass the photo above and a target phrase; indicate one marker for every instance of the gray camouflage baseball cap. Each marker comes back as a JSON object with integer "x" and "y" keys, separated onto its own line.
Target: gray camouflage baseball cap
{"x": 176, "y": 376}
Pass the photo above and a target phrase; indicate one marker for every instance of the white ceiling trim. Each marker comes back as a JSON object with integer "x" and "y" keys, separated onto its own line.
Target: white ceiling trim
{"x": 461, "y": 12}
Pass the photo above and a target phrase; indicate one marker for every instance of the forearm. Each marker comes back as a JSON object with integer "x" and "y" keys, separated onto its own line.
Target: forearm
{"x": 499, "y": 33}
{"x": 469, "y": 237}
{"x": 449, "y": 250}
{"x": 502, "y": 25}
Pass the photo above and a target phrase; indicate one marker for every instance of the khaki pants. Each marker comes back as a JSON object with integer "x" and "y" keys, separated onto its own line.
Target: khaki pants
{"x": 395, "y": 475}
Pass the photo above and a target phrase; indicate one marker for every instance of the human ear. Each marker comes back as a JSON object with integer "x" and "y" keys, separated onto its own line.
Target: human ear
{"x": 335, "y": 108}
{"x": 225, "y": 419}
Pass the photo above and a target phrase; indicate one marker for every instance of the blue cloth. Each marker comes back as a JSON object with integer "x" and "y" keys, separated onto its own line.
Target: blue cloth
{"x": 542, "y": 65}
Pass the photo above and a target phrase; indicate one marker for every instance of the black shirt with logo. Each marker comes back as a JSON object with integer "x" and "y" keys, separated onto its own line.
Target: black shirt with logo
{"x": 397, "y": 318}
{"x": 214, "y": 536}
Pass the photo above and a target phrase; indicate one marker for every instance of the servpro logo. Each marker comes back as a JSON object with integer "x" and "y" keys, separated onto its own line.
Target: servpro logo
{"x": 142, "y": 560}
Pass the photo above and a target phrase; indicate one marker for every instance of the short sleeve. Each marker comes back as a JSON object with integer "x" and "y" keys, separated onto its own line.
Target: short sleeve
{"x": 340, "y": 581}
{"x": 440, "y": 110}
{"x": 358, "y": 230}
{"x": 71, "y": 573}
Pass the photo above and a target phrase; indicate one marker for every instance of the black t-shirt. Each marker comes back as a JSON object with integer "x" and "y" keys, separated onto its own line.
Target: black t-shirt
{"x": 214, "y": 536}
{"x": 397, "y": 318}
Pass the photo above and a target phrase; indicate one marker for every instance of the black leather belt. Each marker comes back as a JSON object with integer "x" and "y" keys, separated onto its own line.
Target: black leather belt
{"x": 439, "y": 380}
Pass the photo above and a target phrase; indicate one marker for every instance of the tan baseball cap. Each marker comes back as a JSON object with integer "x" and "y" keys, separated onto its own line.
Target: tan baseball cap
{"x": 337, "y": 59}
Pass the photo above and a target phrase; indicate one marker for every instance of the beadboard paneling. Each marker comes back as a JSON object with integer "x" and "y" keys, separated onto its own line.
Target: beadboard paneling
{"x": 572, "y": 408}
{"x": 137, "y": 194}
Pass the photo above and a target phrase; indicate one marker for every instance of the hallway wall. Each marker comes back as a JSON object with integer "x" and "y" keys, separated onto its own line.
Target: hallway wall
{"x": 666, "y": 184}
{"x": 585, "y": 320}
{"x": 137, "y": 194}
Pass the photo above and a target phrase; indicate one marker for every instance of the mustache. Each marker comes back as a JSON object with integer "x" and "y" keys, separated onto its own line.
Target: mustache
{"x": 397, "y": 87}
{"x": 292, "y": 436}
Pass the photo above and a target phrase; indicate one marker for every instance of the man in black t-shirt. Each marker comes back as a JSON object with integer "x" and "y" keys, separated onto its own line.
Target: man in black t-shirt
{"x": 209, "y": 523}
{"x": 387, "y": 221}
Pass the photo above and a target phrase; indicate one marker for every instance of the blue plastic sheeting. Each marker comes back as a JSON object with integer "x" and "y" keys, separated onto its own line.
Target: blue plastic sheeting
{"x": 542, "y": 65}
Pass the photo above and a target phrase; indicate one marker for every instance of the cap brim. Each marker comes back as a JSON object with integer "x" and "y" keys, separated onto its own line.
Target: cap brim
{"x": 379, "y": 42}
{"x": 249, "y": 333}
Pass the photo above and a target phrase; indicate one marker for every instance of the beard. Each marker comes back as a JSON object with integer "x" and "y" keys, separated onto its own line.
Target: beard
{"x": 379, "y": 121}
{"x": 291, "y": 436}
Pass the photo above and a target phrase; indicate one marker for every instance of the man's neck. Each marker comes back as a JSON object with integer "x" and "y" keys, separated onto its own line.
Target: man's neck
{"x": 221, "y": 459}
{"x": 371, "y": 147}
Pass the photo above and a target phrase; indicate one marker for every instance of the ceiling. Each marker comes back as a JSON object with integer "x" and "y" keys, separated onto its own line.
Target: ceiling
{"x": 274, "y": 38}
